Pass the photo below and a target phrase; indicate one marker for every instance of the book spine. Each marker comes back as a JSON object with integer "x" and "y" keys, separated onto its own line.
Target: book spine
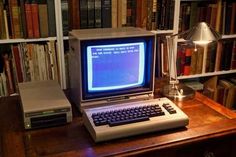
{"x": 35, "y": 19}
{"x": 51, "y": 18}
{"x": 91, "y": 12}
{"x": 43, "y": 18}
{"x": 106, "y": 13}
{"x": 23, "y": 18}
{"x": 233, "y": 60}
{"x": 149, "y": 14}
{"x": 29, "y": 20}
{"x": 10, "y": 85}
{"x": 98, "y": 14}
{"x": 114, "y": 10}
{"x": 83, "y": 14}
{"x": 2, "y": 21}
{"x": 187, "y": 68}
{"x": 17, "y": 60}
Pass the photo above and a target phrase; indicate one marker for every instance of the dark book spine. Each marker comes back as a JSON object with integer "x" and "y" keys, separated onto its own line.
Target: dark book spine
{"x": 131, "y": 13}
{"x": 98, "y": 14}
{"x": 23, "y": 18}
{"x": 91, "y": 12}
{"x": 83, "y": 14}
{"x": 51, "y": 18}
{"x": 228, "y": 17}
{"x": 106, "y": 13}
{"x": 65, "y": 16}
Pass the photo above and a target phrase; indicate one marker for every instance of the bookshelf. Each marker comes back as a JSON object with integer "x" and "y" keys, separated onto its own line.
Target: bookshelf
{"x": 17, "y": 39}
{"x": 217, "y": 59}
{"x": 67, "y": 18}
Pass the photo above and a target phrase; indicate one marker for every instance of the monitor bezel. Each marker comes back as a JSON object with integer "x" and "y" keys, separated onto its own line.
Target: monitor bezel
{"x": 149, "y": 67}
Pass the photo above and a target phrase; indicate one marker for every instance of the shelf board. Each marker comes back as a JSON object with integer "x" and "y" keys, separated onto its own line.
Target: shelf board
{"x": 228, "y": 36}
{"x": 11, "y": 41}
{"x": 162, "y": 31}
{"x": 207, "y": 74}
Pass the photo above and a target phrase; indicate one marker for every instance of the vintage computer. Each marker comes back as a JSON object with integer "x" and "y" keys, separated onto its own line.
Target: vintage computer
{"x": 112, "y": 75}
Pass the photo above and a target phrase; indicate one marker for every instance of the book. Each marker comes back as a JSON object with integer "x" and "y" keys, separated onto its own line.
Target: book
{"x": 74, "y": 14}
{"x": 35, "y": 18}
{"x": 83, "y": 7}
{"x": 154, "y": 14}
{"x": 226, "y": 54}
{"x": 114, "y": 12}
{"x": 210, "y": 86}
{"x": 228, "y": 93}
{"x": 98, "y": 14}
{"x": 14, "y": 10}
{"x": 200, "y": 51}
{"x": 29, "y": 19}
{"x": 2, "y": 22}
{"x": 8, "y": 71}
{"x": 17, "y": 60}
{"x": 180, "y": 60}
{"x": 149, "y": 14}
{"x": 131, "y": 13}
{"x": 91, "y": 13}
{"x": 121, "y": 13}
{"x": 187, "y": 64}
{"x": 43, "y": 18}
{"x": 65, "y": 17}
{"x": 211, "y": 57}
{"x": 106, "y": 13}
{"x": 233, "y": 20}
{"x": 52, "y": 18}
{"x": 23, "y": 18}
{"x": 218, "y": 15}
{"x": 4, "y": 84}
{"x": 193, "y": 64}
{"x": 233, "y": 58}
{"x": 218, "y": 56}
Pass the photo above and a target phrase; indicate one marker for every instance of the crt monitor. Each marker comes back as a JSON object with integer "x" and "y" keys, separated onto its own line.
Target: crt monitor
{"x": 111, "y": 65}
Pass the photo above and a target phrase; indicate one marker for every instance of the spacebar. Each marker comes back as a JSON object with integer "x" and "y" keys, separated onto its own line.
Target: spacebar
{"x": 139, "y": 119}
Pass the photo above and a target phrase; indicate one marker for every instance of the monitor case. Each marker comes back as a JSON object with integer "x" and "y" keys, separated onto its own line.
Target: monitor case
{"x": 75, "y": 78}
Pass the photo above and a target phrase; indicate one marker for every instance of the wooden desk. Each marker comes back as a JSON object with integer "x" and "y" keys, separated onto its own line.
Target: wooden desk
{"x": 212, "y": 131}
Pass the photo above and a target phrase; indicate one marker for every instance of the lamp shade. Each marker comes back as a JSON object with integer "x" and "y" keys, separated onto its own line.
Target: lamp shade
{"x": 202, "y": 32}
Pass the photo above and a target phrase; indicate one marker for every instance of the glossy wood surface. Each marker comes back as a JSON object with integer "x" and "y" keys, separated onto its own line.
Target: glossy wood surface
{"x": 208, "y": 121}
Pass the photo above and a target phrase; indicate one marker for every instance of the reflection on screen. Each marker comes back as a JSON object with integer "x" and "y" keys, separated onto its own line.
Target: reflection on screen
{"x": 118, "y": 66}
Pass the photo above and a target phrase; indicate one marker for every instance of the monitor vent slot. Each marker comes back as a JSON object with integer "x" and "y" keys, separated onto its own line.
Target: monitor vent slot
{"x": 47, "y": 121}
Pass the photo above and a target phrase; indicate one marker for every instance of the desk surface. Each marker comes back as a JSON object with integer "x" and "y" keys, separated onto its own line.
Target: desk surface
{"x": 208, "y": 120}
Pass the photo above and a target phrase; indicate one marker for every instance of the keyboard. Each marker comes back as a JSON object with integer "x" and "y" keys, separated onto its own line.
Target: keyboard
{"x": 128, "y": 119}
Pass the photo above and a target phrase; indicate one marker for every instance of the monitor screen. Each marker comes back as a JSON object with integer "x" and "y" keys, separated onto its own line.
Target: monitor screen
{"x": 116, "y": 67}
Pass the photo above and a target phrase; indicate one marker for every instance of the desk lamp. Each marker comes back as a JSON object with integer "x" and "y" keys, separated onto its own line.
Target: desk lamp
{"x": 202, "y": 33}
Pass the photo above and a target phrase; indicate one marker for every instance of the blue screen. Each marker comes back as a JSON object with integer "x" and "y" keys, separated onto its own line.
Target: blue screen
{"x": 115, "y": 66}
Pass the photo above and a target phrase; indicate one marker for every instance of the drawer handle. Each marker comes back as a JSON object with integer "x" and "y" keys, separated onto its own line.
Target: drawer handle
{"x": 209, "y": 154}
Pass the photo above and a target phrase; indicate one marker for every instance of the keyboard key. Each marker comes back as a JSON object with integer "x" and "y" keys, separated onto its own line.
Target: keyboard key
{"x": 127, "y": 121}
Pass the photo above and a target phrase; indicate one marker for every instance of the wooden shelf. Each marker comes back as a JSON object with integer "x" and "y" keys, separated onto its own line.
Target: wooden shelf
{"x": 11, "y": 41}
{"x": 207, "y": 74}
{"x": 162, "y": 31}
{"x": 229, "y": 36}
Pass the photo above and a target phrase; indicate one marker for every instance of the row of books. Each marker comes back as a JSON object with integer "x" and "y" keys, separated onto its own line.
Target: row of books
{"x": 216, "y": 56}
{"x": 221, "y": 15}
{"x": 221, "y": 90}
{"x": 27, "y": 19}
{"x": 28, "y": 62}
{"x": 149, "y": 14}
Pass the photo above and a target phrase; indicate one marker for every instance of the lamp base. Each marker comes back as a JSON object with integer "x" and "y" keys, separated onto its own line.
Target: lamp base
{"x": 178, "y": 92}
